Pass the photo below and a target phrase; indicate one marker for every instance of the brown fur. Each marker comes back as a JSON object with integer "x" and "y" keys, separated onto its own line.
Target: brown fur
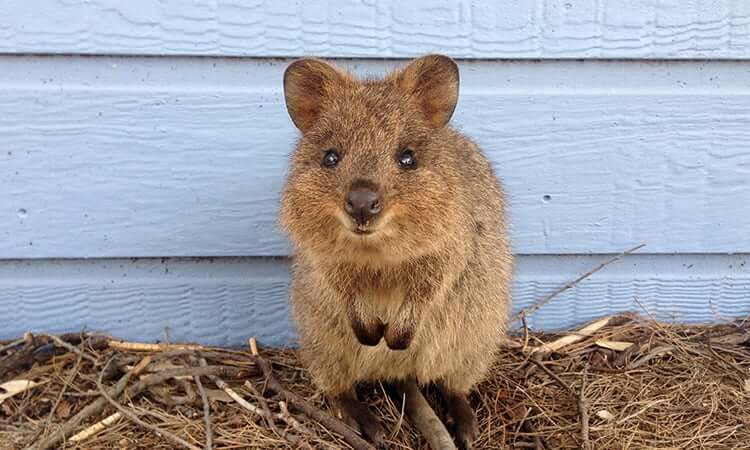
{"x": 433, "y": 278}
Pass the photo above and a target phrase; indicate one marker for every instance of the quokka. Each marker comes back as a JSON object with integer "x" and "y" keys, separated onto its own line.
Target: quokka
{"x": 402, "y": 265}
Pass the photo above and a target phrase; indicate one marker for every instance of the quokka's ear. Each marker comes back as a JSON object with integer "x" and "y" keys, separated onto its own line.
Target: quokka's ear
{"x": 308, "y": 84}
{"x": 433, "y": 81}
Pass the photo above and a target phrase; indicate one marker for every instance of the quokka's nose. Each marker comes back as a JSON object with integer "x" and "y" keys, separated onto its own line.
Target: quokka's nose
{"x": 363, "y": 205}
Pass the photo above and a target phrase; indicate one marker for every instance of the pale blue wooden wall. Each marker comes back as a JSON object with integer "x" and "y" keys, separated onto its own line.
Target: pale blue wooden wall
{"x": 143, "y": 145}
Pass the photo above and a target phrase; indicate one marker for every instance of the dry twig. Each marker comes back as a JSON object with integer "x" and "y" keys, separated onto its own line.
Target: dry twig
{"x": 144, "y": 347}
{"x": 583, "y": 411}
{"x": 12, "y": 344}
{"x": 424, "y": 418}
{"x": 68, "y": 380}
{"x": 130, "y": 415}
{"x": 132, "y": 391}
{"x": 96, "y": 428}
{"x": 263, "y": 411}
{"x": 287, "y": 417}
{"x": 269, "y": 416}
{"x": 90, "y": 410}
{"x": 531, "y": 309}
{"x": 583, "y": 333}
{"x": 206, "y": 409}
{"x": 71, "y": 348}
{"x": 303, "y": 405}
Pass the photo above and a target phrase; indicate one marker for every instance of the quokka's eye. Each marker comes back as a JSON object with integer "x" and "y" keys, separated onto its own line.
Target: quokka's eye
{"x": 407, "y": 160}
{"x": 330, "y": 158}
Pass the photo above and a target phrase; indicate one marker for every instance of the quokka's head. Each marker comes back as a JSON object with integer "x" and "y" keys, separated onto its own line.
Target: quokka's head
{"x": 374, "y": 174}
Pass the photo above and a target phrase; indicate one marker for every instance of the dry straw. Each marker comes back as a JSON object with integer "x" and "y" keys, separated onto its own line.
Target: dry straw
{"x": 676, "y": 386}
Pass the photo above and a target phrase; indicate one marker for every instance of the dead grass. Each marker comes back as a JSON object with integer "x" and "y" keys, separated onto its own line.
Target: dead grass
{"x": 676, "y": 386}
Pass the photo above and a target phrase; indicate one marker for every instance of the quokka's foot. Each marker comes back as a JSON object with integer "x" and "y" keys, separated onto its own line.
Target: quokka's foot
{"x": 358, "y": 416}
{"x": 459, "y": 417}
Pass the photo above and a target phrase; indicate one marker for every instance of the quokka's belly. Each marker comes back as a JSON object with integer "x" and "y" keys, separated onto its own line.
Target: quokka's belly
{"x": 380, "y": 363}
{"x": 433, "y": 354}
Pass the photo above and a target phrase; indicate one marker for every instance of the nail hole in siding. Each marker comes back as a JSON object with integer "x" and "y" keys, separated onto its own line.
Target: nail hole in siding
{"x": 546, "y": 198}
{"x": 22, "y": 213}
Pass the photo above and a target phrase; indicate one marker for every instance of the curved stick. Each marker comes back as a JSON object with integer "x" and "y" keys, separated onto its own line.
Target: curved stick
{"x": 424, "y": 418}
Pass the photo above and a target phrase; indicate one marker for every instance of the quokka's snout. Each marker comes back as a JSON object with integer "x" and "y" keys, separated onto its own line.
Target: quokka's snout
{"x": 364, "y": 202}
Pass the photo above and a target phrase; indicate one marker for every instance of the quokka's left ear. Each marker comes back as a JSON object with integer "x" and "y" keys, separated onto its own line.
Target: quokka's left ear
{"x": 433, "y": 81}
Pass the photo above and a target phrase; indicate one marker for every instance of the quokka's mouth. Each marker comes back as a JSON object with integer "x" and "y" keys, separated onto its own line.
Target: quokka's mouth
{"x": 360, "y": 230}
{"x": 363, "y": 231}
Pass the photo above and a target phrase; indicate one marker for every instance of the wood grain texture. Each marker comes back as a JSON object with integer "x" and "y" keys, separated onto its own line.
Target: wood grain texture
{"x": 356, "y": 28}
{"x": 121, "y": 157}
{"x": 224, "y": 301}
{"x": 210, "y": 301}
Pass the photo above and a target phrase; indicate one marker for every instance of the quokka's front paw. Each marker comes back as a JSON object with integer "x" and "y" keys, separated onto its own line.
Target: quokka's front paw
{"x": 399, "y": 336}
{"x": 368, "y": 332}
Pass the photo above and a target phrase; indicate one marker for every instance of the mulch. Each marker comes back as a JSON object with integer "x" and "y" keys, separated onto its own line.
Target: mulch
{"x": 621, "y": 382}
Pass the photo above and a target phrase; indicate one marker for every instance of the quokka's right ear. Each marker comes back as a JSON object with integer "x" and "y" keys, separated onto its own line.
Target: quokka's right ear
{"x": 308, "y": 84}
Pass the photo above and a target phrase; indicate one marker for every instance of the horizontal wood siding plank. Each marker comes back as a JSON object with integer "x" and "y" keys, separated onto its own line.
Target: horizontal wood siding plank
{"x": 356, "y": 28}
{"x": 123, "y": 157}
{"x": 224, "y": 301}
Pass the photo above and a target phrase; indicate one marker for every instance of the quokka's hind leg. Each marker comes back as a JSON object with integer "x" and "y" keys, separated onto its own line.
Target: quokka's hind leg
{"x": 358, "y": 416}
{"x": 459, "y": 416}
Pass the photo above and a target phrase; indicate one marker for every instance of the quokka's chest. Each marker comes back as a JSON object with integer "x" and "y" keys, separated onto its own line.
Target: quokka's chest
{"x": 385, "y": 301}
